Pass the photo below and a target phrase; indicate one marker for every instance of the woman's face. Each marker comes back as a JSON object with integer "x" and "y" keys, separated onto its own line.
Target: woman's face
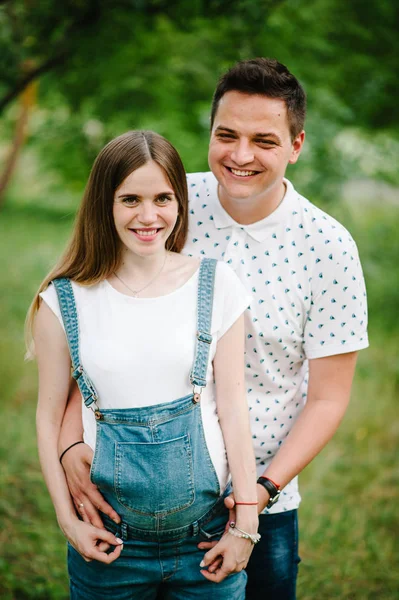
{"x": 145, "y": 210}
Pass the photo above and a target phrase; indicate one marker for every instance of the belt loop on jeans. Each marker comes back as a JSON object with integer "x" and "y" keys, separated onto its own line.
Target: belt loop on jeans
{"x": 195, "y": 528}
{"x": 124, "y": 531}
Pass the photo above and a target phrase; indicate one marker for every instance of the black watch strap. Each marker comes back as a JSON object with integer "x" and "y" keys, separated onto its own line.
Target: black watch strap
{"x": 273, "y": 491}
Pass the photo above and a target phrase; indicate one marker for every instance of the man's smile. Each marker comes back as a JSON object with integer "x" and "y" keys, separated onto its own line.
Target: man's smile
{"x": 242, "y": 172}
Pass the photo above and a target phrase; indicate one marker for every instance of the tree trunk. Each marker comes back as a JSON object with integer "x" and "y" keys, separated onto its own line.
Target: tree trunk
{"x": 27, "y": 100}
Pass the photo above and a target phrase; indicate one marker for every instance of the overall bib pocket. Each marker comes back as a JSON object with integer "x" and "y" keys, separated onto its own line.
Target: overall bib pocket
{"x": 141, "y": 468}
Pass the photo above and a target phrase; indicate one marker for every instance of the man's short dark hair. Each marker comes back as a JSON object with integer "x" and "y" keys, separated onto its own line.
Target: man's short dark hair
{"x": 265, "y": 77}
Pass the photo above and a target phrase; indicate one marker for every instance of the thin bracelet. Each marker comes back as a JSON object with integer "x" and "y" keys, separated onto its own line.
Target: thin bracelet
{"x": 246, "y": 504}
{"x": 69, "y": 447}
{"x": 254, "y": 538}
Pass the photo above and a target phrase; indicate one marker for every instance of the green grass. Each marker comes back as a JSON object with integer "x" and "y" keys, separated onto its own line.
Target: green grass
{"x": 349, "y": 523}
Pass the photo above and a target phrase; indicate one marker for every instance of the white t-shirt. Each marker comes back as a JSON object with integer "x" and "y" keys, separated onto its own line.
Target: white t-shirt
{"x": 140, "y": 351}
{"x": 303, "y": 272}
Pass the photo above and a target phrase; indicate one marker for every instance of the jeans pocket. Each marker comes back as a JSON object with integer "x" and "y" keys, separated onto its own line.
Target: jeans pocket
{"x": 155, "y": 478}
{"x": 214, "y": 529}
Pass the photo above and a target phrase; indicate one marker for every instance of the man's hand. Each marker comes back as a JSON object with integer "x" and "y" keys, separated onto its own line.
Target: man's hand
{"x": 85, "y": 495}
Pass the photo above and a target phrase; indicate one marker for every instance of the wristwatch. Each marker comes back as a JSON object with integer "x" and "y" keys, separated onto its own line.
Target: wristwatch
{"x": 273, "y": 489}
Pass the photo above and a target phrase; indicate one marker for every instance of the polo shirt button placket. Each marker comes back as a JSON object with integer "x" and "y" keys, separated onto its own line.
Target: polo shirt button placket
{"x": 233, "y": 249}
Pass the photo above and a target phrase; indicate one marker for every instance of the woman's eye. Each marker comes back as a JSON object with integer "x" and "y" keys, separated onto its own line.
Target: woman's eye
{"x": 130, "y": 201}
{"x": 163, "y": 199}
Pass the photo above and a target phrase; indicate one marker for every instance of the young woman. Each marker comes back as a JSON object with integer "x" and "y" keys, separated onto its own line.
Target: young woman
{"x": 155, "y": 341}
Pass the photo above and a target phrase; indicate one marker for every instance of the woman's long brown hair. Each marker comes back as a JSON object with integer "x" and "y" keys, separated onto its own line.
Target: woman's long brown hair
{"x": 94, "y": 251}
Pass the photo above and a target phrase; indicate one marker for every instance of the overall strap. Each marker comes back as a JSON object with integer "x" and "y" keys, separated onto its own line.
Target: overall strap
{"x": 66, "y": 300}
{"x": 206, "y": 284}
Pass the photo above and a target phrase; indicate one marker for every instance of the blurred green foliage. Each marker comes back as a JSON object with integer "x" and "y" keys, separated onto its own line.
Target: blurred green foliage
{"x": 109, "y": 66}
{"x": 130, "y": 64}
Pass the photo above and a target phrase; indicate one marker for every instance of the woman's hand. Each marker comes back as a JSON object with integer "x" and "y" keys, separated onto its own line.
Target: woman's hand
{"x": 93, "y": 543}
{"x": 229, "y": 555}
{"x": 85, "y": 495}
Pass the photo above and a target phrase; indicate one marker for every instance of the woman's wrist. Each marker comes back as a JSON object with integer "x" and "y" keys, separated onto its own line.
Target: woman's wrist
{"x": 67, "y": 523}
{"x": 247, "y": 518}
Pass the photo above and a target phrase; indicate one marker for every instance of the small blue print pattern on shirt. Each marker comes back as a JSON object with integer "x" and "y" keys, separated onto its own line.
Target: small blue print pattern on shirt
{"x": 303, "y": 272}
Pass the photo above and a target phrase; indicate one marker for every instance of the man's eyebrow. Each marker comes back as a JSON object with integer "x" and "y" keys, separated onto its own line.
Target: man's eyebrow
{"x": 222, "y": 128}
{"x": 267, "y": 135}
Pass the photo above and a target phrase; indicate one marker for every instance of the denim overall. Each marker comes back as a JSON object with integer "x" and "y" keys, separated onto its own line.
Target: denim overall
{"x": 152, "y": 463}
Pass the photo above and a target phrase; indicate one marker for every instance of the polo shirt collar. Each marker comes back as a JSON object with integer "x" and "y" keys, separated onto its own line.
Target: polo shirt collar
{"x": 259, "y": 230}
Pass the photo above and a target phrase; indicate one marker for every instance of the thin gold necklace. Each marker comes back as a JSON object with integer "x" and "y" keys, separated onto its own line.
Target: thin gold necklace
{"x": 137, "y": 292}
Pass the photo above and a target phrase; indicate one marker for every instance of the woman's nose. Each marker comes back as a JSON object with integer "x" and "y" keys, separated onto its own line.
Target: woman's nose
{"x": 148, "y": 213}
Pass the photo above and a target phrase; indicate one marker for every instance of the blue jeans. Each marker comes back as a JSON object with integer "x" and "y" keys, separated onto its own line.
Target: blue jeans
{"x": 146, "y": 568}
{"x": 273, "y": 567}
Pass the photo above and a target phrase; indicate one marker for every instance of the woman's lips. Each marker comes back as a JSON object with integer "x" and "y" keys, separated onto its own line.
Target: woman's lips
{"x": 146, "y": 235}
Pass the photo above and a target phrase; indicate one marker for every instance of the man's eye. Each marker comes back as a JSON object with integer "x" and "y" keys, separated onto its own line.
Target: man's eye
{"x": 266, "y": 142}
{"x": 225, "y": 136}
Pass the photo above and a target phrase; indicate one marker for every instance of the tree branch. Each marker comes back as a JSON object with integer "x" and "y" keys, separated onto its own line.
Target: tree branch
{"x": 31, "y": 76}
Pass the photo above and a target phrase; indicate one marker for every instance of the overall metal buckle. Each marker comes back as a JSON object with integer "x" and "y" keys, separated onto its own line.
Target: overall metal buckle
{"x": 197, "y": 395}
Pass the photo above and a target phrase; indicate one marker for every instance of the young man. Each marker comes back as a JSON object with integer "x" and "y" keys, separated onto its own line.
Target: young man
{"x": 308, "y": 316}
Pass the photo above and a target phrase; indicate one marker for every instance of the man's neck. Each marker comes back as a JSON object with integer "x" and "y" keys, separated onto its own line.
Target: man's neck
{"x": 247, "y": 212}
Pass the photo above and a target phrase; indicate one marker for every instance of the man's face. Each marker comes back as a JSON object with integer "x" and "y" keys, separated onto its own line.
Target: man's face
{"x": 250, "y": 149}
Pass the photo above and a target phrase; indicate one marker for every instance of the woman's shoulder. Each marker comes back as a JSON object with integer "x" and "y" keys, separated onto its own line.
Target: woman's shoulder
{"x": 82, "y": 292}
{"x": 183, "y": 267}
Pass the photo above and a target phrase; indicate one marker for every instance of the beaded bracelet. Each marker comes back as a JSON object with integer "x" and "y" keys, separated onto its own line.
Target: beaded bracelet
{"x": 254, "y": 538}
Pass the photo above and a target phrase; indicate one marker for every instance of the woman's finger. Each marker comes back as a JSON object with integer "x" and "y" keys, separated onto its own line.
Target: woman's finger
{"x": 103, "y": 546}
{"x": 216, "y": 577}
{"x": 107, "y": 558}
{"x": 213, "y": 567}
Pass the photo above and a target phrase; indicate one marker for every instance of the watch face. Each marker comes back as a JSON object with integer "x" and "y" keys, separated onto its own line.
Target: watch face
{"x": 273, "y": 500}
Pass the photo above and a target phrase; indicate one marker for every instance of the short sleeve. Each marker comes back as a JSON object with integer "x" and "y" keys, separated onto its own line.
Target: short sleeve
{"x": 337, "y": 320}
{"x": 51, "y": 299}
{"x": 230, "y": 299}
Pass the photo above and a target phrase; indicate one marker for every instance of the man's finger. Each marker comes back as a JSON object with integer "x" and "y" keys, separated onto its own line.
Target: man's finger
{"x": 81, "y": 510}
{"x": 206, "y": 545}
{"x": 229, "y": 502}
{"x": 93, "y": 515}
{"x": 100, "y": 504}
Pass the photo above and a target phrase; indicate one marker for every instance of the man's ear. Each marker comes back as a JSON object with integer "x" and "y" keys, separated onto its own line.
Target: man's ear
{"x": 297, "y": 145}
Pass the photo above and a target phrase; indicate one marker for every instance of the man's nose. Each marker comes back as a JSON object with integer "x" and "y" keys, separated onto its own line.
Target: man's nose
{"x": 242, "y": 153}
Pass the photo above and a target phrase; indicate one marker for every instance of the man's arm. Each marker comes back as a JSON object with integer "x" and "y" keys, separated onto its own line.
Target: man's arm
{"x": 72, "y": 426}
{"x": 77, "y": 462}
{"x": 330, "y": 382}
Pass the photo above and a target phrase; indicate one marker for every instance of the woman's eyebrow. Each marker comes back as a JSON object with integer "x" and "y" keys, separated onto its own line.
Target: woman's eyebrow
{"x": 127, "y": 195}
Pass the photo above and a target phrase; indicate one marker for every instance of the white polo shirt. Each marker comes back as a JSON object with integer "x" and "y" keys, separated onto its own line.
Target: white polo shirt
{"x": 302, "y": 269}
